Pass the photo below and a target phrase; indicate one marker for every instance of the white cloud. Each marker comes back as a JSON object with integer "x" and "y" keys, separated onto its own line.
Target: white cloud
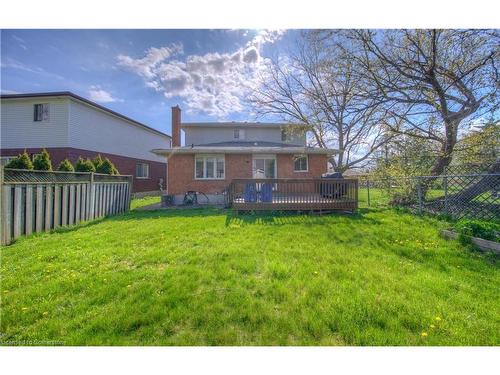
{"x": 97, "y": 94}
{"x": 213, "y": 83}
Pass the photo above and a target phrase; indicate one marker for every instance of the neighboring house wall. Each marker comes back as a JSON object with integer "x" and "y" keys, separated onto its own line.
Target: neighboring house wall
{"x": 125, "y": 165}
{"x": 181, "y": 171}
{"x": 213, "y": 134}
{"x": 95, "y": 130}
{"x": 75, "y": 129}
{"x": 18, "y": 130}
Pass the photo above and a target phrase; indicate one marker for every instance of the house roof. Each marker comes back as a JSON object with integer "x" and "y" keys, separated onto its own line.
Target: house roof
{"x": 233, "y": 124}
{"x": 69, "y": 94}
{"x": 245, "y": 144}
{"x": 236, "y": 148}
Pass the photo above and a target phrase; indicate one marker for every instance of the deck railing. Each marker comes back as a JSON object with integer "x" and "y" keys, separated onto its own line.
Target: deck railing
{"x": 293, "y": 194}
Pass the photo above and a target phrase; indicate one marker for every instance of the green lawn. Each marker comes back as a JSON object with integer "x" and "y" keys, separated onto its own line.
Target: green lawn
{"x": 205, "y": 277}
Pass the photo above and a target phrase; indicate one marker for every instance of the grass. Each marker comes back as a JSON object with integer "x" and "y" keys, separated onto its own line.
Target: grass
{"x": 205, "y": 277}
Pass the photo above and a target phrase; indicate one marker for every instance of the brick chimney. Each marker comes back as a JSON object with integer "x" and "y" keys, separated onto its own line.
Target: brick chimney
{"x": 176, "y": 126}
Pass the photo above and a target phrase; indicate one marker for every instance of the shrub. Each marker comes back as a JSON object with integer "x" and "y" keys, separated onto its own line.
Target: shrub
{"x": 84, "y": 165}
{"x": 97, "y": 161}
{"x": 22, "y": 161}
{"x": 42, "y": 162}
{"x": 66, "y": 165}
{"x": 477, "y": 228}
{"x": 107, "y": 167}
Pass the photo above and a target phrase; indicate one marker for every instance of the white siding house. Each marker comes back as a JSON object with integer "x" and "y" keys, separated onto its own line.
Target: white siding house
{"x": 73, "y": 126}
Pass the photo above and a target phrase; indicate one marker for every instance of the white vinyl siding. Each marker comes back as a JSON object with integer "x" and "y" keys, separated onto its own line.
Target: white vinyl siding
{"x": 96, "y": 130}
{"x": 19, "y": 130}
{"x": 209, "y": 167}
{"x": 213, "y": 134}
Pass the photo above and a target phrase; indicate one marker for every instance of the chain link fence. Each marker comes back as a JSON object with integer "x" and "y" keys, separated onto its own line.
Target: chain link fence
{"x": 474, "y": 195}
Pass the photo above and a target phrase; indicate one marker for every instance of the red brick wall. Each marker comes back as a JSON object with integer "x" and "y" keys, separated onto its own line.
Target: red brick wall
{"x": 316, "y": 166}
{"x": 125, "y": 165}
{"x": 181, "y": 174}
{"x": 181, "y": 171}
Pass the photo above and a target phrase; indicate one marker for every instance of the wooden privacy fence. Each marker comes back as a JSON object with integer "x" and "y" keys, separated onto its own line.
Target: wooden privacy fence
{"x": 36, "y": 201}
{"x": 293, "y": 194}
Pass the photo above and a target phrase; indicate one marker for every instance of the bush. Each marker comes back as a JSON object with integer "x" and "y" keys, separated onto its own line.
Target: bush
{"x": 97, "y": 161}
{"x": 42, "y": 162}
{"x": 22, "y": 161}
{"x": 107, "y": 167}
{"x": 66, "y": 165}
{"x": 477, "y": 228}
{"x": 84, "y": 165}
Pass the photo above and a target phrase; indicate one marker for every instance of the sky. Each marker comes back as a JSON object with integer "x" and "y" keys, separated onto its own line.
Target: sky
{"x": 143, "y": 73}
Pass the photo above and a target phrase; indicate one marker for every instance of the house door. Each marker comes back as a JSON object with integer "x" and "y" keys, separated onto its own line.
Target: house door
{"x": 264, "y": 166}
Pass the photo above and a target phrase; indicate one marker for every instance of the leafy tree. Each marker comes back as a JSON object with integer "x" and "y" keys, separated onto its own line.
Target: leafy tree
{"x": 84, "y": 165}
{"x": 317, "y": 86}
{"x": 22, "y": 161}
{"x": 66, "y": 165}
{"x": 433, "y": 83}
{"x": 42, "y": 162}
{"x": 107, "y": 167}
{"x": 481, "y": 146}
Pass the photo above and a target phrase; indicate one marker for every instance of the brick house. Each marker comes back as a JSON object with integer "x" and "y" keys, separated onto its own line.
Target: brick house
{"x": 216, "y": 153}
{"x": 69, "y": 126}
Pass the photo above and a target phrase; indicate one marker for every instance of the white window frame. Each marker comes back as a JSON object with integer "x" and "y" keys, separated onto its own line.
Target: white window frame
{"x": 264, "y": 157}
{"x": 45, "y": 114}
{"x": 142, "y": 177}
{"x": 307, "y": 163}
{"x": 204, "y": 157}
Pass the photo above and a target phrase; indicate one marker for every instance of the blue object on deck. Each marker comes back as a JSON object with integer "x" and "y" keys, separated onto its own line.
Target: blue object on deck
{"x": 266, "y": 192}
{"x": 250, "y": 193}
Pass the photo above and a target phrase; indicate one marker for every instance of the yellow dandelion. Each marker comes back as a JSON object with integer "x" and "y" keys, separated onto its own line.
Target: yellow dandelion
{"x": 315, "y": 272}
{"x": 423, "y": 334}
{"x": 438, "y": 319}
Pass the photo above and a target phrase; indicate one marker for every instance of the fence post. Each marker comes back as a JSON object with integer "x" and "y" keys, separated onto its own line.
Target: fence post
{"x": 92, "y": 196}
{"x": 419, "y": 192}
{"x": 446, "y": 194}
{"x": 368, "y": 189}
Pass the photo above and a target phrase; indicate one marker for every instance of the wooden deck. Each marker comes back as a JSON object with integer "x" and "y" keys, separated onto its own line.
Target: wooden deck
{"x": 293, "y": 194}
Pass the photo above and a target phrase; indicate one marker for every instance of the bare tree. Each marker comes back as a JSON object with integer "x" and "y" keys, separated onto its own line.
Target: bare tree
{"x": 316, "y": 87}
{"x": 434, "y": 82}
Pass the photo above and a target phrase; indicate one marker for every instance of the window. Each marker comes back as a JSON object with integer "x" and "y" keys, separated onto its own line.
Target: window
{"x": 209, "y": 167}
{"x": 300, "y": 163}
{"x": 283, "y": 135}
{"x": 142, "y": 170}
{"x": 41, "y": 112}
{"x": 264, "y": 167}
{"x": 238, "y": 134}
